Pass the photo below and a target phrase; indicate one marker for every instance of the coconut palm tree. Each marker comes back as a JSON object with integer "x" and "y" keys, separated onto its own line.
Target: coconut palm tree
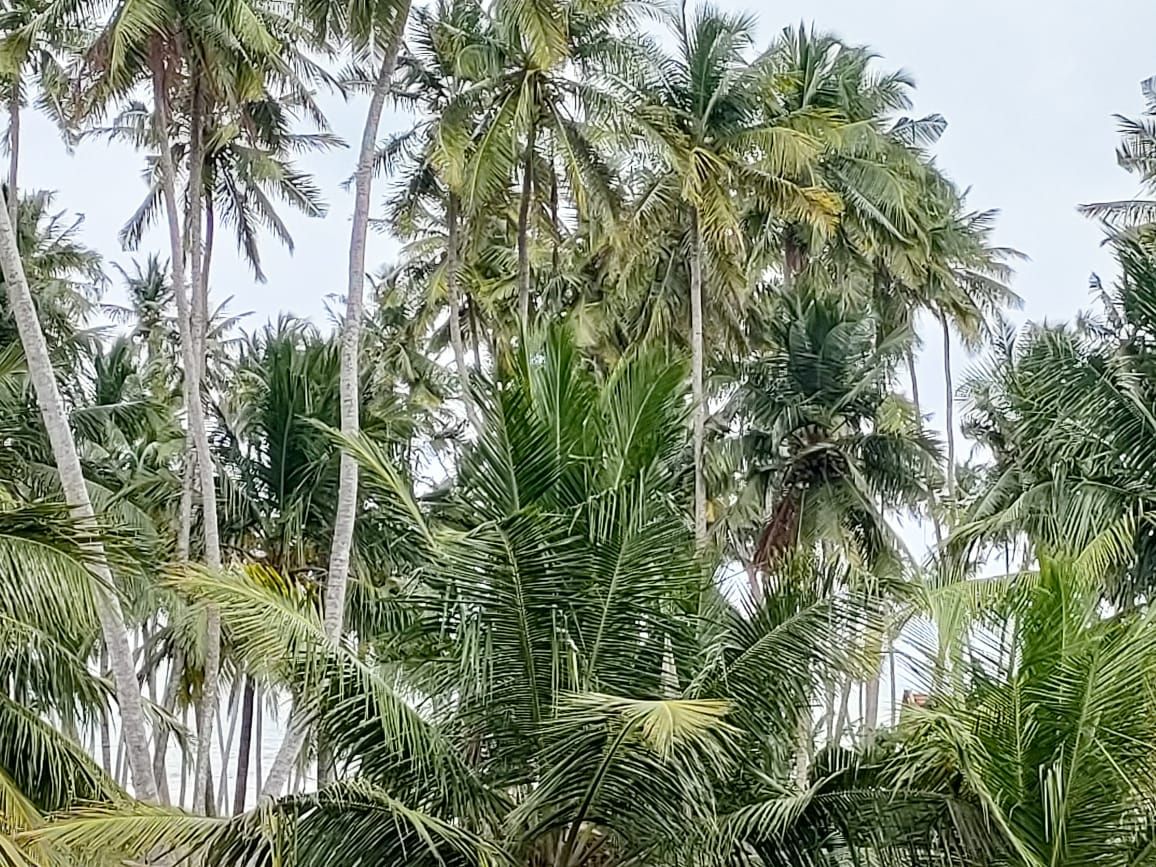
{"x": 51, "y": 628}
{"x": 550, "y": 97}
{"x": 586, "y": 697}
{"x": 1037, "y": 401}
{"x": 187, "y": 57}
{"x": 1052, "y": 793}
{"x": 1136, "y": 154}
{"x": 715, "y": 152}
{"x": 72, "y": 481}
{"x": 33, "y": 63}
{"x": 430, "y": 161}
{"x": 828, "y": 444}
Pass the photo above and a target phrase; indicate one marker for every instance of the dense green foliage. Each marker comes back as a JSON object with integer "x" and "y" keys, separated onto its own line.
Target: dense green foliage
{"x": 637, "y": 425}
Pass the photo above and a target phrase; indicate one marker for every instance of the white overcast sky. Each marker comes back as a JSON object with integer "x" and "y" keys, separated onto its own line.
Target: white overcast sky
{"x": 1029, "y": 89}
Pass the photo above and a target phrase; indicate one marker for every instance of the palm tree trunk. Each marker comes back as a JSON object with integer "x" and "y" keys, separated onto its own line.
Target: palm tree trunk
{"x": 184, "y": 761}
{"x": 105, "y": 728}
{"x": 871, "y": 692}
{"x": 524, "y": 230}
{"x": 185, "y": 508}
{"x": 949, "y": 407}
{"x": 120, "y": 769}
{"x": 335, "y": 585}
{"x": 13, "y": 154}
{"x": 698, "y": 392}
{"x": 456, "y": 312}
{"x": 206, "y": 710}
{"x": 244, "y": 747}
{"x": 326, "y": 770}
{"x": 891, "y": 673}
{"x": 226, "y": 746}
{"x": 933, "y": 500}
{"x": 112, "y": 623}
{"x": 161, "y": 736}
{"x": 258, "y": 742}
{"x": 844, "y": 711}
{"x": 803, "y": 746}
{"x": 475, "y": 337}
{"x": 346, "y": 512}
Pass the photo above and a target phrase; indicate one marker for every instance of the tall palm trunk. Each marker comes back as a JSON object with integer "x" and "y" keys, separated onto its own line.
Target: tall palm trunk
{"x": 346, "y": 512}
{"x": 475, "y": 337}
{"x": 843, "y": 718}
{"x": 244, "y": 747}
{"x": 206, "y": 710}
{"x": 949, "y": 406}
{"x": 105, "y": 728}
{"x": 697, "y": 391}
{"x": 225, "y": 744}
{"x": 891, "y": 674}
{"x": 459, "y": 347}
{"x": 870, "y": 706}
{"x": 134, "y": 729}
{"x": 13, "y": 153}
{"x": 161, "y": 734}
{"x": 336, "y": 582}
{"x": 524, "y": 230}
{"x": 933, "y": 500}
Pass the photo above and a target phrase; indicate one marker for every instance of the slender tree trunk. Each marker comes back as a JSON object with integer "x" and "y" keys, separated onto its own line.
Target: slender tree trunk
{"x": 105, "y": 728}
{"x": 803, "y": 746}
{"x": 206, "y": 266}
{"x": 934, "y": 500}
{"x": 844, "y": 711}
{"x": 208, "y": 806}
{"x": 206, "y": 710}
{"x": 475, "y": 337}
{"x": 185, "y": 508}
{"x": 326, "y": 771}
{"x": 244, "y": 748}
{"x": 120, "y": 777}
{"x": 870, "y": 705}
{"x": 698, "y": 391}
{"x": 258, "y": 742}
{"x": 112, "y": 623}
{"x": 161, "y": 736}
{"x": 336, "y": 582}
{"x": 829, "y": 710}
{"x": 346, "y": 512}
{"x": 227, "y": 748}
{"x": 524, "y": 230}
{"x": 949, "y": 407}
{"x": 452, "y": 217}
{"x": 555, "y": 226}
{"x": 891, "y": 673}
{"x": 13, "y": 156}
{"x": 184, "y": 760}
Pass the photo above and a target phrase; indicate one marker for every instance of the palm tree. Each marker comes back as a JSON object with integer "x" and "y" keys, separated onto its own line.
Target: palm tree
{"x": 162, "y": 42}
{"x": 50, "y": 626}
{"x": 828, "y": 446}
{"x": 1038, "y": 400}
{"x": 43, "y": 378}
{"x": 827, "y": 451}
{"x": 431, "y": 159}
{"x": 247, "y": 170}
{"x": 33, "y": 56}
{"x": 374, "y": 32}
{"x": 1136, "y": 154}
{"x": 869, "y": 156}
{"x": 586, "y": 697}
{"x": 550, "y": 96}
{"x": 1052, "y": 792}
{"x": 716, "y": 151}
